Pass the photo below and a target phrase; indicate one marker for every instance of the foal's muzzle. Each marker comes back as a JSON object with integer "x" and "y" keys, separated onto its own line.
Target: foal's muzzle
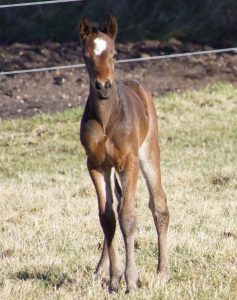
{"x": 103, "y": 90}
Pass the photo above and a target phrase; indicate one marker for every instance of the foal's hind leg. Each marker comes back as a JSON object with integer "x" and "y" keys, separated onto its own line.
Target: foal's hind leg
{"x": 150, "y": 165}
{"x": 102, "y": 269}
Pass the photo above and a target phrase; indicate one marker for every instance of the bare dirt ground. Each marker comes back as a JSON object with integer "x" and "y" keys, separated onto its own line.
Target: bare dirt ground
{"x": 25, "y": 95}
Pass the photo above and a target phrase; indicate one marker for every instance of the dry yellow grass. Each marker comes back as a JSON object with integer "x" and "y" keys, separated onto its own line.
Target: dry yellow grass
{"x": 50, "y": 234}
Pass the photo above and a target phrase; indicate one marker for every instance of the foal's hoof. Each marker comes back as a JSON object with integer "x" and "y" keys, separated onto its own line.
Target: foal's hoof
{"x": 163, "y": 277}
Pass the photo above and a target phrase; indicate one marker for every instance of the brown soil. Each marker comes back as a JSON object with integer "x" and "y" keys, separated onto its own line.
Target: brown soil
{"x": 27, "y": 94}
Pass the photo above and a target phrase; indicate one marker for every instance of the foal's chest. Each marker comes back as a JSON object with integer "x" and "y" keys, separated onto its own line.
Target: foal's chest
{"x": 106, "y": 152}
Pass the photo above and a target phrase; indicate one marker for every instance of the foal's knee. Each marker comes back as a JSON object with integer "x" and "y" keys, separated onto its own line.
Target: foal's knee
{"x": 163, "y": 216}
{"x": 159, "y": 208}
{"x": 127, "y": 224}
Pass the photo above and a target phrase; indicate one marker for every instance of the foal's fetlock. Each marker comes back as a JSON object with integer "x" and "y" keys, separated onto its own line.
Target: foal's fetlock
{"x": 115, "y": 280}
{"x": 131, "y": 287}
{"x": 114, "y": 284}
{"x": 131, "y": 278}
{"x": 164, "y": 275}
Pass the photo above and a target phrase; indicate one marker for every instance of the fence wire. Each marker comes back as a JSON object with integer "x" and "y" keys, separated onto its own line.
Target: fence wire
{"x": 38, "y": 3}
{"x": 128, "y": 60}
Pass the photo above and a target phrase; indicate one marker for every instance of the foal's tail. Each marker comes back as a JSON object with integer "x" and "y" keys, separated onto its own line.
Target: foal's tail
{"x": 117, "y": 186}
{"x": 118, "y": 192}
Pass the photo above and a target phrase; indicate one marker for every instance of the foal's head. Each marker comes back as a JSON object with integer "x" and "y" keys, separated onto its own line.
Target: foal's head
{"x": 98, "y": 47}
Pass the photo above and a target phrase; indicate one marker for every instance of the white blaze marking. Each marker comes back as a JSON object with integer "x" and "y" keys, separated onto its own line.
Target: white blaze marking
{"x": 100, "y": 46}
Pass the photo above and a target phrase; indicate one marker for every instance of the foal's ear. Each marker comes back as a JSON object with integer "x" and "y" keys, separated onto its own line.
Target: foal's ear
{"x": 85, "y": 28}
{"x": 111, "y": 26}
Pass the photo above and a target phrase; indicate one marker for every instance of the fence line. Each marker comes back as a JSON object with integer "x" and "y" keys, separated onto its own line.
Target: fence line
{"x": 38, "y": 3}
{"x": 175, "y": 55}
{"x": 42, "y": 69}
{"x": 138, "y": 59}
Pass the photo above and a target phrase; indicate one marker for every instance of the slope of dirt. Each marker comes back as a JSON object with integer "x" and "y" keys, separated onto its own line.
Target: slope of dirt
{"x": 27, "y": 94}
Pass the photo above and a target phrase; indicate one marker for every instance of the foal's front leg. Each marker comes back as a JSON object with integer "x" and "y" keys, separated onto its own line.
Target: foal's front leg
{"x": 127, "y": 218}
{"x": 101, "y": 180}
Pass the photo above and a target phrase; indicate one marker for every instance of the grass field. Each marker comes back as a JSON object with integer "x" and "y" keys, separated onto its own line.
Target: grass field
{"x": 50, "y": 233}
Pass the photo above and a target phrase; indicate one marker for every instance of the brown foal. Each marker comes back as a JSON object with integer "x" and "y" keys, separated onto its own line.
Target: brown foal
{"x": 119, "y": 133}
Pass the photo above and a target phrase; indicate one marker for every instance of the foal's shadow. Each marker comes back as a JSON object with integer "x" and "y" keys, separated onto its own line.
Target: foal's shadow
{"x": 53, "y": 279}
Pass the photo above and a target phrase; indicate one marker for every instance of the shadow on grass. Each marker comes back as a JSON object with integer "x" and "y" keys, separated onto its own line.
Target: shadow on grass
{"x": 49, "y": 278}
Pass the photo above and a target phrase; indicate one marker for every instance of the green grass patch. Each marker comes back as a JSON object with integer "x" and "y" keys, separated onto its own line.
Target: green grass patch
{"x": 47, "y": 143}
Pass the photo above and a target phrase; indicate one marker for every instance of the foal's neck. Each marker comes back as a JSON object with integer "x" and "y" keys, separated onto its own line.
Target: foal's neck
{"x": 105, "y": 111}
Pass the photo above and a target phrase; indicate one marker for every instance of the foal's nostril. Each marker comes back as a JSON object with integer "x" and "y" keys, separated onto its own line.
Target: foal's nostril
{"x": 108, "y": 84}
{"x": 98, "y": 85}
